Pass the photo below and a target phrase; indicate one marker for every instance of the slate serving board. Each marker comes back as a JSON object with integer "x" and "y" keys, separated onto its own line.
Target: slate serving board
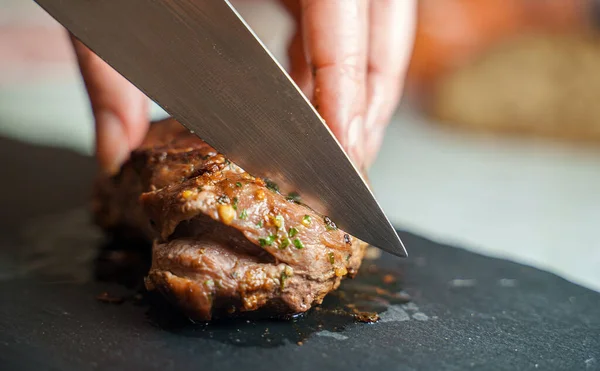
{"x": 466, "y": 310}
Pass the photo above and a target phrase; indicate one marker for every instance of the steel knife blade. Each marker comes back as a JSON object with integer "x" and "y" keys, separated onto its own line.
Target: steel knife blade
{"x": 203, "y": 65}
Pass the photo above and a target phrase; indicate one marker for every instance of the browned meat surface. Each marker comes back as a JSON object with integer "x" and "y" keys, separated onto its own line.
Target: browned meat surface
{"x": 225, "y": 242}
{"x": 169, "y": 154}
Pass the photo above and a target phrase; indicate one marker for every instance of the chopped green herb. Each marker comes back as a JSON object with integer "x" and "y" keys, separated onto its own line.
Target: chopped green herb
{"x": 272, "y": 185}
{"x": 285, "y": 242}
{"x": 205, "y": 157}
{"x": 329, "y": 224}
{"x": 244, "y": 214}
{"x": 306, "y": 219}
{"x": 292, "y": 232}
{"x": 199, "y": 189}
{"x": 298, "y": 243}
{"x": 266, "y": 241}
{"x": 278, "y": 221}
{"x": 209, "y": 283}
{"x": 348, "y": 257}
{"x": 293, "y": 196}
{"x": 331, "y": 257}
{"x": 227, "y": 161}
{"x": 235, "y": 203}
{"x": 282, "y": 279}
{"x": 238, "y": 184}
{"x": 260, "y": 224}
{"x": 223, "y": 199}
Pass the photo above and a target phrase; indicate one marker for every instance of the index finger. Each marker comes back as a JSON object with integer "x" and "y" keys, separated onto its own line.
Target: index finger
{"x": 335, "y": 36}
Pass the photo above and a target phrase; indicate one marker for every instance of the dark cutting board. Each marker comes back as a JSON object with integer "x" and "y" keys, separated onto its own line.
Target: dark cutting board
{"x": 467, "y": 310}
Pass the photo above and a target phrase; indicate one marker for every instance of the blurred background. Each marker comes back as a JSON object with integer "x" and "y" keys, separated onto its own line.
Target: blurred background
{"x": 496, "y": 147}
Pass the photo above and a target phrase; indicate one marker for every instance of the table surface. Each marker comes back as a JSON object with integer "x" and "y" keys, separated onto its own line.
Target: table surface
{"x": 467, "y": 310}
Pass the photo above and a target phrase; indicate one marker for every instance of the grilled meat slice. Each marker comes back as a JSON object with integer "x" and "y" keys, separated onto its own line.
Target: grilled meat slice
{"x": 225, "y": 241}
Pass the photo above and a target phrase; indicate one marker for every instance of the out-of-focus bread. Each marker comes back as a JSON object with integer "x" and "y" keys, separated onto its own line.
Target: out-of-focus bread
{"x": 542, "y": 85}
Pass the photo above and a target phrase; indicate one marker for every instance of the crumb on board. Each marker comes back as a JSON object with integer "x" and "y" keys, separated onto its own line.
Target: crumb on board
{"x": 389, "y": 279}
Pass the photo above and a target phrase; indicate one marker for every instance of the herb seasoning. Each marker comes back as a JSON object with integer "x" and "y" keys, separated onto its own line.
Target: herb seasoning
{"x": 347, "y": 239}
{"x": 272, "y": 185}
{"x": 306, "y": 220}
{"x": 285, "y": 242}
{"x": 298, "y": 244}
{"x": 223, "y": 199}
{"x": 282, "y": 279}
{"x": 278, "y": 221}
{"x": 329, "y": 224}
{"x": 266, "y": 241}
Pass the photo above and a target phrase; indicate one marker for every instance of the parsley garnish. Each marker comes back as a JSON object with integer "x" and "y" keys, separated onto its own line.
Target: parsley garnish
{"x": 266, "y": 241}
{"x": 282, "y": 279}
{"x": 298, "y": 243}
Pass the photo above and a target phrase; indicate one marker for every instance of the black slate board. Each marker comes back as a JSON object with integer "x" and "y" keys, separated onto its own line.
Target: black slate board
{"x": 467, "y": 310}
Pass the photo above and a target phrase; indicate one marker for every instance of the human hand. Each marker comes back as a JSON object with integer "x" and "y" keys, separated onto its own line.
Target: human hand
{"x": 120, "y": 110}
{"x": 348, "y": 56}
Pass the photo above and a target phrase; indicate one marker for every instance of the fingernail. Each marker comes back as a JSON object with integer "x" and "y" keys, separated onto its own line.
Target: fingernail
{"x": 112, "y": 146}
{"x": 355, "y": 140}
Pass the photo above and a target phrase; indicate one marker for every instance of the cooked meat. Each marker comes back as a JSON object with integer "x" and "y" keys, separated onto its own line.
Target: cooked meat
{"x": 225, "y": 241}
{"x": 169, "y": 154}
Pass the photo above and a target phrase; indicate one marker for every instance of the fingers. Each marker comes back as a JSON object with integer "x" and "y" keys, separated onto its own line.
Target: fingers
{"x": 299, "y": 69}
{"x": 391, "y": 32}
{"x": 335, "y": 38}
{"x": 120, "y": 109}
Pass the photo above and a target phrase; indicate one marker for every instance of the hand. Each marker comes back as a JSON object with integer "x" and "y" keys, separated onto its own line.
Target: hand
{"x": 120, "y": 109}
{"x": 348, "y": 56}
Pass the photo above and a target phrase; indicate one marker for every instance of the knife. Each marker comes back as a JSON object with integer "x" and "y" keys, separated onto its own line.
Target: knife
{"x": 203, "y": 65}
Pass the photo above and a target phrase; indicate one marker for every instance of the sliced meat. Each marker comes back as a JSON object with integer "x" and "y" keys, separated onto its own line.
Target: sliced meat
{"x": 226, "y": 242}
{"x": 168, "y": 155}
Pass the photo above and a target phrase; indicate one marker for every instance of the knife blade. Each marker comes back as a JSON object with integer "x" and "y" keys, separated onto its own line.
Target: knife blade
{"x": 203, "y": 65}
